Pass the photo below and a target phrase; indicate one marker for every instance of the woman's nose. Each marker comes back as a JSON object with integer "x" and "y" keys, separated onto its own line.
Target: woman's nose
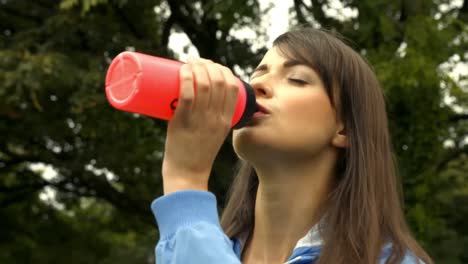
{"x": 261, "y": 87}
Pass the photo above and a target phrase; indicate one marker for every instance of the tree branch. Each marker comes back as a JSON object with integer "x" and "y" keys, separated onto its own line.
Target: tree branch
{"x": 17, "y": 13}
{"x": 319, "y": 15}
{"x": 21, "y": 188}
{"x": 127, "y": 21}
{"x": 463, "y": 15}
{"x": 297, "y": 8}
{"x": 451, "y": 155}
{"x": 460, "y": 117}
{"x": 201, "y": 33}
{"x": 18, "y": 193}
{"x": 120, "y": 200}
{"x": 167, "y": 32}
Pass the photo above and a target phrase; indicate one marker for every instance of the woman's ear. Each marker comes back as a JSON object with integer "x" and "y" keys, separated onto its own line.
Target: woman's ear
{"x": 340, "y": 140}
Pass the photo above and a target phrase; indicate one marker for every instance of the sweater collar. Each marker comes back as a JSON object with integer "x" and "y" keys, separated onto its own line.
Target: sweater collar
{"x": 307, "y": 248}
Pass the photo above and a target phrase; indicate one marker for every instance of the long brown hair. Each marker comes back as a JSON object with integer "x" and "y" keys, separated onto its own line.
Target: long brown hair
{"x": 364, "y": 211}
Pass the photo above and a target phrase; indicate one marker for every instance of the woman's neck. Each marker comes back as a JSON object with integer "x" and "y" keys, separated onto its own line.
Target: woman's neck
{"x": 288, "y": 203}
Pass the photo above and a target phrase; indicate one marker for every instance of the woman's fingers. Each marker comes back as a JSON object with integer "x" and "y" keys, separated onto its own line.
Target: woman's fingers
{"x": 232, "y": 91}
{"x": 218, "y": 87}
{"x": 201, "y": 122}
{"x": 202, "y": 86}
{"x": 216, "y": 90}
{"x": 187, "y": 94}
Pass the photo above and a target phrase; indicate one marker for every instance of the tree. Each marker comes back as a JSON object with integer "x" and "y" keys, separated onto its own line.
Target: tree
{"x": 54, "y": 112}
{"x": 53, "y": 61}
{"x": 406, "y": 42}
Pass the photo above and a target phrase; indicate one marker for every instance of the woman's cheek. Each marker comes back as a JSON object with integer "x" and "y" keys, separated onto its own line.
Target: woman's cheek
{"x": 310, "y": 116}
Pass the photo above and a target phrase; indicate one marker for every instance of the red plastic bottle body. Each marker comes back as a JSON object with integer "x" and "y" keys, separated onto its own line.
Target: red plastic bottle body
{"x": 149, "y": 85}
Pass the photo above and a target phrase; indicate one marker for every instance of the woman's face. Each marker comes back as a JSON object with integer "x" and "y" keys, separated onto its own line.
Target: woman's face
{"x": 301, "y": 121}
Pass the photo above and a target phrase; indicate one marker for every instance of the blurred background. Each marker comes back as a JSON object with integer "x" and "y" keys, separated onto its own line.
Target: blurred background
{"x": 77, "y": 177}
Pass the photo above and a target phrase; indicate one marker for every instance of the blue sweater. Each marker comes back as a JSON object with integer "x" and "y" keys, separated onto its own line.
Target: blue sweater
{"x": 190, "y": 232}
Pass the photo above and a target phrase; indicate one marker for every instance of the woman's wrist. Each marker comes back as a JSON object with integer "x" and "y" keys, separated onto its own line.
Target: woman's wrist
{"x": 183, "y": 182}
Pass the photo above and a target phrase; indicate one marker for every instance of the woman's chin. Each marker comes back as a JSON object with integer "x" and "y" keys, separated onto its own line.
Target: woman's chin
{"x": 250, "y": 148}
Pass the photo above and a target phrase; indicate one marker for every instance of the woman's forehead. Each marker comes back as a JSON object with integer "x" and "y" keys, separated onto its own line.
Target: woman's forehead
{"x": 279, "y": 58}
{"x": 273, "y": 56}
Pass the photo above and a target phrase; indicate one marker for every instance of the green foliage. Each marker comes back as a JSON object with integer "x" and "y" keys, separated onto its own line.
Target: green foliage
{"x": 53, "y": 58}
{"x": 434, "y": 176}
{"x": 54, "y": 112}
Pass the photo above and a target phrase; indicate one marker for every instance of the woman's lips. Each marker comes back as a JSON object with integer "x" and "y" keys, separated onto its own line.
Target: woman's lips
{"x": 262, "y": 109}
{"x": 259, "y": 114}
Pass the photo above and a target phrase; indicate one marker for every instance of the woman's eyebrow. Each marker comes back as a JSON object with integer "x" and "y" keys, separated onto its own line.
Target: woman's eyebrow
{"x": 286, "y": 64}
{"x": 291, "y": 63}
{"x": 261, "y": 67}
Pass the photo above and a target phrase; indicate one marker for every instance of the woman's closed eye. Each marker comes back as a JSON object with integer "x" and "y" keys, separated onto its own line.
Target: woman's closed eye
{"x": 297, "y": 81}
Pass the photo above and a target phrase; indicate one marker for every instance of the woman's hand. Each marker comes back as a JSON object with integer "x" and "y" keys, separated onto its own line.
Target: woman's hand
{"x": 199, "y": 126}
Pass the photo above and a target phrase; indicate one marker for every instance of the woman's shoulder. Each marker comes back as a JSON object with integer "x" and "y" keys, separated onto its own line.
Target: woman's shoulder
{"x": 409, "y": 257}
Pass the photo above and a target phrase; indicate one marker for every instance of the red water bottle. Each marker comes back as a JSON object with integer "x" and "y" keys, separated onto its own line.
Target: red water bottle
{"x": 149, "y": 85}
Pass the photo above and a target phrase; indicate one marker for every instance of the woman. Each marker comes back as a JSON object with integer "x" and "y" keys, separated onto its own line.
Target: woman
{"x": 316, "y": 181}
